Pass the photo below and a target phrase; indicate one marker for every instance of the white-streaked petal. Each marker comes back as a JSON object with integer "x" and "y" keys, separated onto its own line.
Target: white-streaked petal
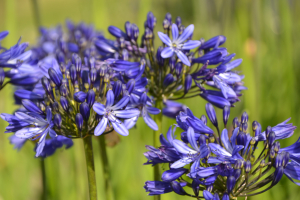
{"x": 191, "y": 44}
{"x": 164, "y": 38}
{"x": 175, "y": 32}
{"x": 183, "y": 58}
{"x": 191, "y": 138}
{"x": 183, "y": 148}
{"x": 99, "y": 108}
{"x": 150, "y": 122}
{"x": 167, "y": 52}
{"x": 100, "y": 128}
{"x": 188, "y": 31}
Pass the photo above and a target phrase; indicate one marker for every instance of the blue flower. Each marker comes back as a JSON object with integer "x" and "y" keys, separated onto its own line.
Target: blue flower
{"x": 189, "y": 155}
{"x": 159, "y": 187}
{"x": 178, "y": 43}
{"x": 39, "y": 128}
{"x": 54, "y": 143}
{"x": 112, "y": 112}
{"x": 146, "y": 108}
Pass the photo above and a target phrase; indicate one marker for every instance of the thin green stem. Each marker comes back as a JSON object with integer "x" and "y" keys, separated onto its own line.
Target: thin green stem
{"x": 43, "y": 170}
{"x": 36, "y": 14}
{"x": 106, "y": 170}
{"x": 158, "y": 121}
{"x": 89, "y": 156}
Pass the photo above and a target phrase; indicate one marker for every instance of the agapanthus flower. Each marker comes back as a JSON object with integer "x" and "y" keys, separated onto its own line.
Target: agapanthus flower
{"x": 223, "y": 162}
{"x": 178, "y": 44}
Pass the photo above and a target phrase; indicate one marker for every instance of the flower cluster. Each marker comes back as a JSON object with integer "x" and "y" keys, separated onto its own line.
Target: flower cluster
{"x": 174, "y": 71}
{"x": 234, "y": 163}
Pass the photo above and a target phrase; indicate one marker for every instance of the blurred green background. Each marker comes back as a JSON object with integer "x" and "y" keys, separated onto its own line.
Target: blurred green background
{"x": 264, "y": 33}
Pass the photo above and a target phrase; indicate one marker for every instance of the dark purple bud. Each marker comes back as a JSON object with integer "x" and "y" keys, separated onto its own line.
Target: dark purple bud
{"x": 128, "y": 29}
{"x": 196, "y": 186}
{"x": 217, "y": 101}
{"x": 55, "y": 107}
{"x": 188, "y": 83}
{"x": 60, "y": 57}
{"x": 151, "y": 21}
{"x": 148, "y": 33}
{"x": 117, "y": 88}
{"x": 202, "y": 139}
{"x": 57, "y": 120}
{"x": 46, "y": 85}
{"x": 271, "y": 138}
{"x": 276, "y": 146}
{"x": 286, "y": 158}
{"x": 130, "y": 85}
{"x": 80, "y": 96}
{"x": 79, "y": 121}
{"x": 173, "y": 174}
{"x": 169, "y": 79}
{"x": 168, "y": 17}
{"x": 181, "y": 29}
{"x": 159, "y": 59}
{"x": 78, "y": 64}
{"x": 178, "y": 68}
{"x": 235, "y": 122}
{"x": 230, "y": 184}
{"x": 166, "y": 24}
{"x": 31, "y": 107}
{"x": 177, "y": 188}
{"x": 64, "y": 103}
{"x": 272, "y": 153}
{"x": 93, "y": 75}
{"x": 178, "y": 21}
{"x": 244, "y": 118}
{"x": 211, "y": 113}
{"x": 241, "y": 139}
{"x": 63, "y": 90}
{"x": 238, "y": 164}
{"x": 85, "y": 111}
{"x": 90, "y": 98}
{"x": 247, "y": 166}
{"x": 244, "y": 127}
{"x": 262, "y": 163}
{"x": 135, "y": 32}
{"x": 115, "y": 31}
{"x": 73, "y": 73}
{"x": 254, "y": 125}
{"x": 203, "y": 119}
{"x": 268, "y": 131}
{"x": 2, "y": 76}
{"x": 172, "y": 63}
{"x": 278, "y": 175}
{"x": 54, "y": 77}
{"x": 226, "y": 113}
{"x": 237, "y": 173}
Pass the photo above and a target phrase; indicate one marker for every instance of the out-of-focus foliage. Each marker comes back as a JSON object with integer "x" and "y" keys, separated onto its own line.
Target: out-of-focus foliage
{"x": 264, "y": 33}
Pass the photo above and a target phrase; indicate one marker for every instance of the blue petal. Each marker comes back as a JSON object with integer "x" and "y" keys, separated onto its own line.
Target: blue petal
{"x": 225, "y": 140}
{"x": 182, "y": 162}
{"x": 194, "y": 167}
{"x": 110, "y": 98}
{"x": 188, "y": 31}
{"x": 49, "y": 115}
{"x": 191, "y": 138}
{"x": 129, "y": 123}
{"x": 150, "y": 122}
{"x": 41, "y": 145}
{"x": 152, "y": 110}
{"x": 167, "y": 52}
{"x": 100, "y": 128}
{"x": 183, "y": 58}
{"x": 129, "y": 113}
{"x": 122, "y": 103}
{"x": 99, "y": 108}
{"x": 174, "y": 32}
{"x": 233, "y": 137}
{"x": 218, "y": 150}
{"x": 183, "y": 148}
{"x": 227, "y": 91}
{"x": 52, "y": 133}
{"x": 25, "y": 94}
{"x": 27, "y": 133}
{"x": 191, "y": 44}
{"x": 164, "y": 38}
{"x": 118, "y": 126}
